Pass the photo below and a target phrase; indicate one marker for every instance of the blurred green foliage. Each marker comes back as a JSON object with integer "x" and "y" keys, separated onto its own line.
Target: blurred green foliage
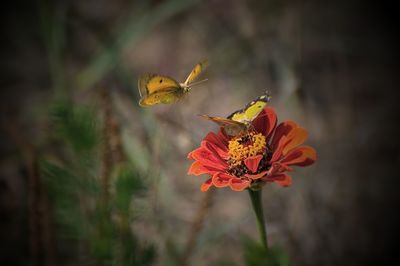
{"x": 255, "y": 255}
{"x": 76, "y": 126}
{"x": 90, "y": 226}
{"x": 126, "y": 184}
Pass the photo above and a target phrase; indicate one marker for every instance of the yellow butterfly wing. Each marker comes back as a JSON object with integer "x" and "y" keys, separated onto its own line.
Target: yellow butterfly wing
{"x": 196, "y": 72}
{"x": 166, "y": 96}
{"x": 155, "y": 89}
{"x": 151, "y": 83}
{"x": 231, "y": 127}
{"x": 251, "y": 111}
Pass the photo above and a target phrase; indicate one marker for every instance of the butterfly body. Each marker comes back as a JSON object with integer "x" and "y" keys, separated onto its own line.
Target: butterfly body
{"x": 231, "y": 127}
{"x": 240, "y": 121}
{"x": 156, "y": 89}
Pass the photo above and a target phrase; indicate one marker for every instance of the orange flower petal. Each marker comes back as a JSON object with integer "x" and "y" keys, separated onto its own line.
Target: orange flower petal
{"x": 278, "y": 168}
{"x": 265, "y": 122}
{"x": 283, "y": 129}
{"x": 301, "y": 156}
{"x": 197, "y": 168}
{"x": 279, "y": 149}
{"x": 206, "y": 185}
{"x": 190, "y": 155}
{"x": 238, "y": 184}
{"x": 256, "y": 176}
{"x": 220, "y": 153}
{"x": 208, "y": 158}
{"x": 282, "y": 179}
{"x": 253, "y": 162}
{"x": 296, "y": 137}
{"x": 285, "y": 183}
{"x": 214, "y": 149}
{"x": 219, "y": 144}
{"x": 221, "y": 179}
{"x": 195, "y": 154}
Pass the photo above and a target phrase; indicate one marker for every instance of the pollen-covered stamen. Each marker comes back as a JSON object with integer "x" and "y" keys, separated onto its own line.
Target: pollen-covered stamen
{"x": 244, "y": 146}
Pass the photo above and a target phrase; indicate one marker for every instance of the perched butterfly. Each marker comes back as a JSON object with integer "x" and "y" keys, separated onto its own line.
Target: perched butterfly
{"x": 240, "y": 120}
{"x": 155, "y": 89}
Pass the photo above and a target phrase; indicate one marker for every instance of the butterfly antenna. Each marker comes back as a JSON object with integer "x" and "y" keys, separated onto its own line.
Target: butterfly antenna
{"x": 268, "y": 94}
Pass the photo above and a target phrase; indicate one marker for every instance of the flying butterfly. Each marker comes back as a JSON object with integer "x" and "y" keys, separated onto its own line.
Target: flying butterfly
{"x": 156, "y": 89}
{"x": 240, "y": 121}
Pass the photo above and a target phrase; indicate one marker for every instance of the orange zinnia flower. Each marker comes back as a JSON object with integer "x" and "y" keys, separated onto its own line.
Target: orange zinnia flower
{"x": 263, "y": 154}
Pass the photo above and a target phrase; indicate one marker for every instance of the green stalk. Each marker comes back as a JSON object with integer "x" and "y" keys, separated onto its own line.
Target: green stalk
{"x": 255, "y": 196}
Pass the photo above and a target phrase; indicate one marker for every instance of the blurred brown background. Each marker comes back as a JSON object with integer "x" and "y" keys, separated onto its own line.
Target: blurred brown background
{"x": 330, "y": 65}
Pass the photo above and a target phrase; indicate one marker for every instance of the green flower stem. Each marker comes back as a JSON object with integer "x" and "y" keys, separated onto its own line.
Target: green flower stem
{"x": 255, "y": 196}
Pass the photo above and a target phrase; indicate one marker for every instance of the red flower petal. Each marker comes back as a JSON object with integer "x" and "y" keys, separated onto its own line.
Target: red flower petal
{"x": 218, "y": 142}
{"x": 238, "y": 184}
{"x": 285, "y": 182}
{"x": 279, "y": 149}
{"x": 301, "y": 156}
{"x": 190, "y": 155}
{"x": 197, "y": 168}
{"x": 253, "y": 162}
{"x": 256, "y": 176}
{"x": 278, "y": 168}
{"x": 206, "y": 185}
{"x": 295, "y": 138}
{"x": 281, "y": 130}
{"x": 223, "y": 137}
{"x": 222, "y": 155}
{"x": 208, "y": 158}
{"x": 282, "y": 179}
{"x": 221, "y": 179}
{"x": 265, "y": 122}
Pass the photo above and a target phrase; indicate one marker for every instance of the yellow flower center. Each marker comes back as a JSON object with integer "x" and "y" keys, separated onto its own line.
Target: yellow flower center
{"x": 245, "y": 146}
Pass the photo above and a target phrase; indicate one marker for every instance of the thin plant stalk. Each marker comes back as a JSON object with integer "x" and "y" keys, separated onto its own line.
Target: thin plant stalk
{"x": 256, "y": 201}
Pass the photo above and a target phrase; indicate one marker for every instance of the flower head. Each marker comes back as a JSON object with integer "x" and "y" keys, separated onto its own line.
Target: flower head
{"x": 264, "y": 153}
